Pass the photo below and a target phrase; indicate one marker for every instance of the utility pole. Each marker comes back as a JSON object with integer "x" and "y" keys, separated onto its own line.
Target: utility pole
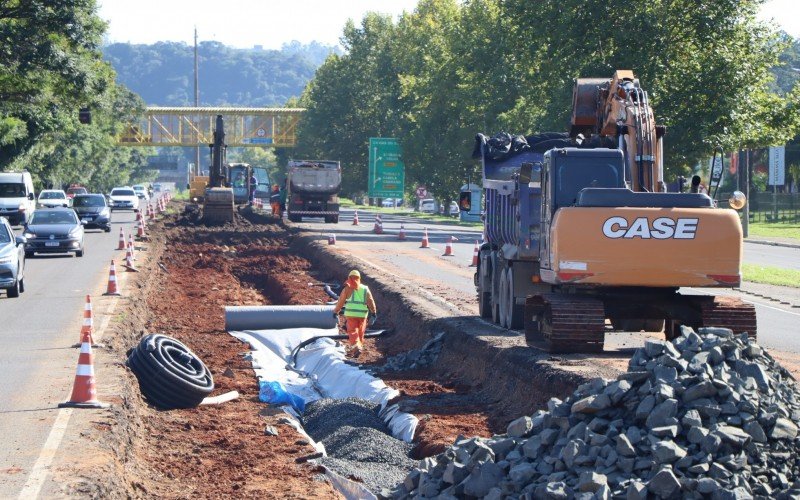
{"x": 196, "y": 103}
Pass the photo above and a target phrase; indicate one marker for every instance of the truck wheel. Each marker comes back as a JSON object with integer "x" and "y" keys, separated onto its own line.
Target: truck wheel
{"x": 504, "y": 298}
{"x": 515, "y": 313}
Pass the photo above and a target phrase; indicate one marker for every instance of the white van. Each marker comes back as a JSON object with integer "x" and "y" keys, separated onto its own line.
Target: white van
{"x": 427, "y": 206}
{"x": 17, "y": 199}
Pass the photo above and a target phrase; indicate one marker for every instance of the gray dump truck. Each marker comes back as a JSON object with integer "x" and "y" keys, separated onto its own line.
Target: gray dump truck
{"x": 313, "y": 189}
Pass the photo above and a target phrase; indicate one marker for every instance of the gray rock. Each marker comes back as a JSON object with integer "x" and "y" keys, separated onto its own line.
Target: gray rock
{"x": 755, "y": 431}
{"x": 572, "y": 450}
{"x": 667, "y": 452}
{"x": 739, "y": 493}
{"x": 707, "y": 485}
{"x": 454, "y": 473}
{"x": 715, "y": 355}
{"x": 532, "y": 447}
{"x": 501, "y": 447}
{"x": 483, "y": 478}
{"x": 520, "y": 427}
{"x": 696, "y": 435}
{"x": 702, "y": 390}
{"x": 661, "y": 412}
{"x": 783, "y": 429}
{"x": 270, "y": 431}
{"x": 591, "y": 481}
{"x": 752, "y": 351}
{"x": 664, "y": 484}
{"x": 733, "y": 435}
{"x": 692, "y": 419}
{"x": 718, "y": 471}
{"x": 670, "y": 431}
{"x": 711, "y": 444}
{"x": 624, "y": 446}
{"x": 636, "y": 491}
{"x": 645, "y": 407}
{"x": 494, "y": 494}
{"x": 521, "y": 474}
{"x": 698, "y": 469}
{"x": 591, "y": 404}
{"x": 557, "y": 490}
{"x": 654, "y": 348}
{"x": 665, "y": 373}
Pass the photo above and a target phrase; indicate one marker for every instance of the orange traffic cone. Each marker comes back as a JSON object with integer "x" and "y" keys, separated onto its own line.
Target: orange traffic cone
{"x": 402, "y": 234}
{"x": 448, "y": 248}
{"x": 355, "y": 218}
{"x": 112, "y": 281}
{"x": 131, "y": 248}
{"x": 84, "y": 394}
{"x": 121, "y": 244}
{"x": 140, "y": 229}
{"x": 378, "y": 227}
{"x": 425, "y": 239}
{"x": 88, "y": 322}
{"x": 150, "y": 212}
{"x": 475, "y": 253}
{"x": 129, "y": 267}
{"x": 331, "y": 239}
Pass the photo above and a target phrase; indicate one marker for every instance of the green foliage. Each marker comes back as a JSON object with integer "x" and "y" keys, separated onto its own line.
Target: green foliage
{"x": 162, "y": 73}
{"x": 51, "y": 66}
{"x": 451, "y": 69}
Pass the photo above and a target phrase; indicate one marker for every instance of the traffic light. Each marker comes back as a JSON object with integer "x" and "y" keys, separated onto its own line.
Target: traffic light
{"x": 85, "y": 116}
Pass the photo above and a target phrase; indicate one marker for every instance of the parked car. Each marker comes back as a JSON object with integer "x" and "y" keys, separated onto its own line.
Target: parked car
{"x": 123, "y": 198}
{"x": 141, "y": 192}
{"x": 12, "y": 260}
{"x": 17, "y": 198}
{"x": 454, "y": 210}
{"x": 428, "y": 206}
{"x": 49, "y": 198}
{"x": 93, "y": 211}
{"x": 75, "y": 190}
{"x": 392, "y": 202}
{"x": 54, "y": 230}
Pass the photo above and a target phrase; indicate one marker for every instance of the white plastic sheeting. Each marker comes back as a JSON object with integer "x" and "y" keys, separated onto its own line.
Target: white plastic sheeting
{"x": 320, "y": 372}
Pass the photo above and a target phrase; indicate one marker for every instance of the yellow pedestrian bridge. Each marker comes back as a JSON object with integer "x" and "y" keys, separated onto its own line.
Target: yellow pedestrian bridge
{"x": 244, "y": 127}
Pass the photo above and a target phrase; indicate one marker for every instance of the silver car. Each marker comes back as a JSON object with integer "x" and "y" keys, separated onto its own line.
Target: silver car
{"x": 12, "y": 260}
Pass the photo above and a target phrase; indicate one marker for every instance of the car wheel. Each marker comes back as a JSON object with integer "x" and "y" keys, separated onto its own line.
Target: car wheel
{"x": 22, "y": 285}
{"x": 28, "y": 254}
{"x": 13, "y": 292}
{"x": 79, "y": 253}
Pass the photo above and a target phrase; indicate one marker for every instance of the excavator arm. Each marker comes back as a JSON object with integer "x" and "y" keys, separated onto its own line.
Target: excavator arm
{"x": 619, "y": 108}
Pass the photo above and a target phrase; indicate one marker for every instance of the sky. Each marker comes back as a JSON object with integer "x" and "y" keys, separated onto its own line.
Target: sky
{"x": 271, "y": 23}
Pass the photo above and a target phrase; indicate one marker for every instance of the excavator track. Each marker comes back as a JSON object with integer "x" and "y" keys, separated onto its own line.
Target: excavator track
{"x": 729, "y": 312}
{"x": 573, "y": 323}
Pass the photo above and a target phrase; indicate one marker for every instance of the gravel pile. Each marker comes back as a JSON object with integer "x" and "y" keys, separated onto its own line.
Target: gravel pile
{"x": 419, "y": 358}
{"x": 357, "y": 442}
{"x": 710, "y": 415}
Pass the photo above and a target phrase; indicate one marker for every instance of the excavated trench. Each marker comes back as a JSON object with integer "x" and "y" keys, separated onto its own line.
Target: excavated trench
{"x": 456, "y": 386}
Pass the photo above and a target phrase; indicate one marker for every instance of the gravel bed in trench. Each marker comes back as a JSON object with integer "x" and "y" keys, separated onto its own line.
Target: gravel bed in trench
{"x": 357, "y": 442}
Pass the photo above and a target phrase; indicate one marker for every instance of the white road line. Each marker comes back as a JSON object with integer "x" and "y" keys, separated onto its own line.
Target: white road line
{"x": 42, "y": 466}
{"x": 752, "y": 302}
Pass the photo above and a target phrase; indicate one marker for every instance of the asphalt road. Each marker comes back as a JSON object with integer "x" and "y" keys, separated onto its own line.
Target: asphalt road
{"x": 37, "y": 363}
{"x": 778, "y": 324}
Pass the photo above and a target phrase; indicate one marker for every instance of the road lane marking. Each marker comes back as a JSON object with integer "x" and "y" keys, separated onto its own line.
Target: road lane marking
{"x": 768, "y": 306}
{"x": 42, "y": 465}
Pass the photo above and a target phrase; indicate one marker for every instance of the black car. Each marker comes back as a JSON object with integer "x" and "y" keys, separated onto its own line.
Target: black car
{"x": 93, "y": 211}
{"x": 54, "y": 230}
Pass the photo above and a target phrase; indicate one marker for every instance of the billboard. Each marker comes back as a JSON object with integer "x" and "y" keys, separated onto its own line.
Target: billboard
{"x": 387, "y": 172}
{"x": 777, "y": 166}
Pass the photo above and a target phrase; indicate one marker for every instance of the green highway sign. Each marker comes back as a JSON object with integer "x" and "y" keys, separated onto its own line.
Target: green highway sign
{"x": 387, "y": 172}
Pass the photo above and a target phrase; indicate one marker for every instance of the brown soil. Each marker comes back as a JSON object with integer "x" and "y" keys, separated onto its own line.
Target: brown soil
{"x": 222, "y": 451}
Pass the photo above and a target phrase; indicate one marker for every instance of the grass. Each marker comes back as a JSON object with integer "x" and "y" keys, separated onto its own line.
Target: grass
{"x": 774, "y": 230}
{"x": 770, "y": 275}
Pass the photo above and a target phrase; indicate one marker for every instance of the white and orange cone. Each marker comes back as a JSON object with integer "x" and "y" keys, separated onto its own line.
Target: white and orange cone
{"x": 331, "y": 239}
{"x": 378, "y": 227}
{"x": 84, "y": 393}
{"x": 475, "y": 254}
{"x": 121, "y": 244}
{"x": 129, "y": 266}
{"x": 150, "y": 212}
{"x": 131, "y": 248}
{"x": 140, "y": 229}
{"x": 448, "y": 248}
{"x": 355, "y": 218}
{"x": 112, "y": 281}
{"x": 402, "y": 234}
{"x": 425, "y": 239}
{"x": 88, "y": 322}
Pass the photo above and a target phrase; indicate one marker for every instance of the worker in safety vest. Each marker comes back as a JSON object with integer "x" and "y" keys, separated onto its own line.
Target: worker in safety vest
{"x": 358, "y": 307}
{"x": 275, "y": 200}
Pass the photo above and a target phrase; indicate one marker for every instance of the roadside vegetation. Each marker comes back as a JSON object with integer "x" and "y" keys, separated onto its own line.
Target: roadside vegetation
{"x": 771, "y": 275}
{"x": 50, "y": 68}
{"x": 448, "y": 70}
{"x": 774, "y": 230}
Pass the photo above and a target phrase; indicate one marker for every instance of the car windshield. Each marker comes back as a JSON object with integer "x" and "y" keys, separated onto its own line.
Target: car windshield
{"x": 52, "y": 195}
{"x": 123, "y": 192}
{"x": 89, "y": 201}
{"x": 138, "y": 188}
{"x": 60, "y": 217}
{"x": 12, "y": 190}
{"x": 77, "y": 190}
{"x": 4, "y": 236}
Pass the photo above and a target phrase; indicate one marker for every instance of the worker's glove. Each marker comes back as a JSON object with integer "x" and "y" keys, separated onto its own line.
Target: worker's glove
{"x": 373, "y": 317}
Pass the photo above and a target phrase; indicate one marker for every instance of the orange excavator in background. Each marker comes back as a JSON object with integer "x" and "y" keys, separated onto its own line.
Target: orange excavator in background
{"x": 580, "y": 229}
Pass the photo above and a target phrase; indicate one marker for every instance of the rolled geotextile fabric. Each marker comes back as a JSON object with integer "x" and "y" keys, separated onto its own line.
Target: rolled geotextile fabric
{"x": 238, "y": 318}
